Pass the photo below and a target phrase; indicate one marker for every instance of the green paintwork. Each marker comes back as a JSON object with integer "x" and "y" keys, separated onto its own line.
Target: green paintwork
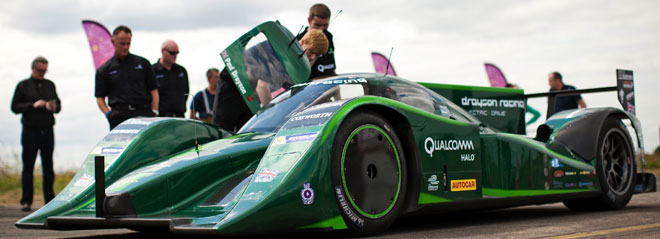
{"x": 134, "y": 144}
{"x": 502, "y": 108}
{"x": 519, "y": 193}
{"x": 426, "y": 198}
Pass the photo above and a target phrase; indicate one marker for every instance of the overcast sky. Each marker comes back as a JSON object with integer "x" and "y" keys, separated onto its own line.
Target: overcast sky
{"x": 433, "y": 41}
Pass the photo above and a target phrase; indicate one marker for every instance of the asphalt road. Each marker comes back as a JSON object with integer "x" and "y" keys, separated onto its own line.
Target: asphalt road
{"x": 640, "y": 219}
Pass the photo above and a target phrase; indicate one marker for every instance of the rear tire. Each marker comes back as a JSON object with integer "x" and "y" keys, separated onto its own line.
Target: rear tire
{"x": 615, "y": 168}
{"x": 368, "y": 173}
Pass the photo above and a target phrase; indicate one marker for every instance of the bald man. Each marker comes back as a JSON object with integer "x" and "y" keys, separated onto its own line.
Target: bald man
{"x": 173, "y": 82}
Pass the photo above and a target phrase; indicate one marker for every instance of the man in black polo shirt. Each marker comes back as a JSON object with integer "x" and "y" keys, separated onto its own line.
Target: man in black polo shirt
{"x": 37, "y": 100}
{"x": 172, "y": 82}
{"x": 319, "y": 19}
{"x": 564, "y": 102}
{"x": 128, "y": 81}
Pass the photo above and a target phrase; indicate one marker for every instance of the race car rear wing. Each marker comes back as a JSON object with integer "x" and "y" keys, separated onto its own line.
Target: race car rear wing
{"x": 625, "y": 89}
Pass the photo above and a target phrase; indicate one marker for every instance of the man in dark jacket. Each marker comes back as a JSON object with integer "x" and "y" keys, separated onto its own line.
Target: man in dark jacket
{"x": 37, "y": 100}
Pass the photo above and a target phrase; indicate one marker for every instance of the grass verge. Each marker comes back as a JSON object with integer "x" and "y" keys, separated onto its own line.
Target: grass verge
{"x": 10, "y": 186}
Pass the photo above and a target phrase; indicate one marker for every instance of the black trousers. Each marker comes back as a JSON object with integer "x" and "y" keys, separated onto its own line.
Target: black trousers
{"x": 37, "y": 140}
{"x": 117, "y": 116}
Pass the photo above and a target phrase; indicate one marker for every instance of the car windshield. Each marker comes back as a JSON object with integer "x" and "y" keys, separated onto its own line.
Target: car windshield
{"x": 272, "y": 116}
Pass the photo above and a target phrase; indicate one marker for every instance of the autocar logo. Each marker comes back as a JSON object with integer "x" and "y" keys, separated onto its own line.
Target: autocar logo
{"x": 463, "y": 185}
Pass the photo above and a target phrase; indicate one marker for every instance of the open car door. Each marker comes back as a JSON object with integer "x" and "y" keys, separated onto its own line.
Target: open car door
{"x": 269, "y": 53}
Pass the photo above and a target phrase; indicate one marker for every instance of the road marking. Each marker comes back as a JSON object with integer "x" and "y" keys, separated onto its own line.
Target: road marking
{"x": 605, "y": 232}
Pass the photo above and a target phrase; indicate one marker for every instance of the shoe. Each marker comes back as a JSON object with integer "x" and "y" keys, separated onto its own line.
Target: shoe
{"x": 25, "y": 207}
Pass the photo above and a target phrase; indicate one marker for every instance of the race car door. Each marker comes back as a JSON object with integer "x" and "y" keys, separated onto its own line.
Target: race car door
{"x": 267, "y": 56}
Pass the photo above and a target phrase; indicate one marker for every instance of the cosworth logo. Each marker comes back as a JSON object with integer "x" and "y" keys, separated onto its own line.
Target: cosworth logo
{"x": 431, "y": 145}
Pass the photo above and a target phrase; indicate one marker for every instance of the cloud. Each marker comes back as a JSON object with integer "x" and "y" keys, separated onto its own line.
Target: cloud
{"x": 62, "y": 17}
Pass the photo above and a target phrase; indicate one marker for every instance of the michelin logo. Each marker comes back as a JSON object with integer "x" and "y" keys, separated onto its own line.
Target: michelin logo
{"x": 431, "y": 145}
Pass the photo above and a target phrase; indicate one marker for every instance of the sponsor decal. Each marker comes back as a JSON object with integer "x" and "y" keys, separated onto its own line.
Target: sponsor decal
{"x": 322, "y": 68}
{"x": 558, "y": 173}
{"x": 253, "y": 196}
{"x": 124, "y": 131}
{"x": 467, "y": 157}
{"x": 307, "y": 194}
{"x": 463, "y": 185}
{"x": 557, "y": 183}
{"x": 465, "y": 101}
{"x": 569, "y": 173}
{"x": 587, "y": 184}
{"x": 335, "y": 82}
{"x": 431, "y": 145}
{"x": 570, "y": 185}
{"x": 311, "y": 116}
{"x": 111, "y": 150}
{"x": 347, "y": 210}
{"x": 433, "y": 183}
{"x": 234, "y": 73}
{"x": 294, "y": 138}
{"x": 84, "y": 181}
{"x": 585, "y": 172}
{"x": 555, "y": 163}
{"x": 266, "y": 175}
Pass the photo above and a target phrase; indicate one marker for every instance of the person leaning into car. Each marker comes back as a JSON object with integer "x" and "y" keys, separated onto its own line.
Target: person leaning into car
{"x": 37, "y": 100}
{"x": 319, "y": 19}
{"x": 128, "y": 81}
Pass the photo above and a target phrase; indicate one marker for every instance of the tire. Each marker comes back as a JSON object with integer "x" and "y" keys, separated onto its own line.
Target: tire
{"x": 615, "y": 167}
{"x": 368, "y": 173}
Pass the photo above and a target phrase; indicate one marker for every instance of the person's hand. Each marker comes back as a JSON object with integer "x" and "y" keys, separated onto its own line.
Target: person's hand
{"x": 39, "y": 104}
{"x": 51, "y": 105}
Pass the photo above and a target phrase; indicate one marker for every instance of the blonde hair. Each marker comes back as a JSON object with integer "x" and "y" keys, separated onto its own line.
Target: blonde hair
{"x": 317, "y": 41}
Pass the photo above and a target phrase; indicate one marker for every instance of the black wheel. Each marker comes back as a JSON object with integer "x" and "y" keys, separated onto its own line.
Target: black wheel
{"x": 615, "y": 167}
{"x": 368, "y": 173}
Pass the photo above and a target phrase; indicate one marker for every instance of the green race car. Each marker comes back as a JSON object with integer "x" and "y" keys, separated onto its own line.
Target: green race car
{"x": 353, "y": 151}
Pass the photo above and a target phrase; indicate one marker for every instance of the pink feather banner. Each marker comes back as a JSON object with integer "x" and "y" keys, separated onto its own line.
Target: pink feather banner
{"x": 495, "y": 76}
{"x": 100, "y": 42}
{"x": 381, "y": 64}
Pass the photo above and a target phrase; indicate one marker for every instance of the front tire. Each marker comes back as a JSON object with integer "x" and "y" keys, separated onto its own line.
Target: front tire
{"x": 368, "y": 173}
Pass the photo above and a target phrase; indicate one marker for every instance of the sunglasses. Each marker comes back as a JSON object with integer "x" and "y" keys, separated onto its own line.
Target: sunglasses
{"x": 172, "y": 52}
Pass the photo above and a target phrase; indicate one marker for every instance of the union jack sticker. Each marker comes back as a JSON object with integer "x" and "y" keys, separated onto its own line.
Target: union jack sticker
{"x": 266, "y": 175}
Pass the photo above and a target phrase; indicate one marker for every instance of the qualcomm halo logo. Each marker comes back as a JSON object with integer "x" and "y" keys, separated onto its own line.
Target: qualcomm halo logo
{"x": 431, "y": 145}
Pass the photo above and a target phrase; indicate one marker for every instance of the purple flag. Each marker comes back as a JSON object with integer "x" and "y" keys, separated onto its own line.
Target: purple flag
{"x": 100, "y": 41}
{"x": 380, "y": 63}
{"x": 495, "y": 76}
